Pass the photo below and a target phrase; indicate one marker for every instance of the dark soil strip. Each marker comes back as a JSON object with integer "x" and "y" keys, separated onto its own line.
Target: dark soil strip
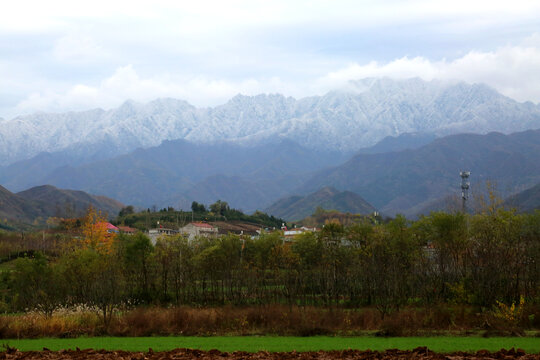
{"x": 418, "y": 353}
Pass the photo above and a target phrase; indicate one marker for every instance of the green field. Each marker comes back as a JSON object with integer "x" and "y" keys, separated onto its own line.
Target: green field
{"x": 278, "y": 343}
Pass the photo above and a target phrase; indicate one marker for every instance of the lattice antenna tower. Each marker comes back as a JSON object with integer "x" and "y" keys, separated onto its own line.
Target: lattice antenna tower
{"x": 464, "y": 189}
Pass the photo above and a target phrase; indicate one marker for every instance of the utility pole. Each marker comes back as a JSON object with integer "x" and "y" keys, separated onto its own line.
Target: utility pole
{"x": 464, "y": 189}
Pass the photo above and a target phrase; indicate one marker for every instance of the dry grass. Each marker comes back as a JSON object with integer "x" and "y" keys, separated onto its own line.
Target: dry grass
{"x": 254, "y": 320}
{"x": 34, "y": 325}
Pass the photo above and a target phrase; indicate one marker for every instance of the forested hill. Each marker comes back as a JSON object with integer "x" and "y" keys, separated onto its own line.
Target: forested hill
{"x": 526, "y": 200}
{"x": 13, "y": 207}
{"x": 299, "y": 207}
{"x": 41, "y": 202}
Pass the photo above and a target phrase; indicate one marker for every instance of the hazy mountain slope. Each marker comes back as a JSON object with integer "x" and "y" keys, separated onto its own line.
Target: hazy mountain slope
{"x": 69, "y": 202}
{"x": 367, "y": 111}
{"x": 299, "y": 207}
{"x": 13, "y": 207}
{"x": 527, "y": 200}
{"x": 180, "y": 171}
{"x": 395, "y": 182}
{"x": 239, "y": 192}
{"x": 398, "y": 143}
{"x": 523, "y": 201}
{"x": 27, "y": 173}
{"x": 447, "y": 203}
{"x": 45, "y": 201}
{"x": 40, "y": 169}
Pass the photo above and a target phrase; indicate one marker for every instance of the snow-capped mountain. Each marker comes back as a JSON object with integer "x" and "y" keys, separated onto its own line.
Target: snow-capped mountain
{"x": 346, "y": 120}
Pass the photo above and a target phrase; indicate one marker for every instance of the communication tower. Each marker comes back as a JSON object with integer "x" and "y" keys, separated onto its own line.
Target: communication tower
{"x": 464, "y": 189}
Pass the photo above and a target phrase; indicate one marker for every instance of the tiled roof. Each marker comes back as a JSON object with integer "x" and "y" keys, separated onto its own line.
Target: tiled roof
{"x": 110, "y": 226}
{"x": 236, "y": 227}
{"x": 127, "y": 229}
{"x": 202, "y": 225}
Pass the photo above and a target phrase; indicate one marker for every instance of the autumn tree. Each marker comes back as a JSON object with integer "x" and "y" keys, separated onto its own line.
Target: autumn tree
{"x": 95, "y": 233}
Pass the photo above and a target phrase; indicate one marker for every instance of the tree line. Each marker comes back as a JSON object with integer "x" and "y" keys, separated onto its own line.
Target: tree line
{"x": 441, "y": 258}
{"x": 170, "y": 217}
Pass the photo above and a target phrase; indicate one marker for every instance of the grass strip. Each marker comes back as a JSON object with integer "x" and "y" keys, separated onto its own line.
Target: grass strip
{"x": 442, "y": 344}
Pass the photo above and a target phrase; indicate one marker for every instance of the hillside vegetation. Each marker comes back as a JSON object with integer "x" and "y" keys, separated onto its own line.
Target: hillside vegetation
{"x": 36, "y": 205}
{"x": 171, "y": 218}
{"x": 299, "y": 207}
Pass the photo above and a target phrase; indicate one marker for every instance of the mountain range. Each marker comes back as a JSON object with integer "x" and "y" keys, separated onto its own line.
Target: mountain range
{"x": 178, "y": 172}
{"x": 406, "y": 181}
{"x": 398, "y": 181}
{"x": 254, "y": 151}
{"x": 359, "y": 116}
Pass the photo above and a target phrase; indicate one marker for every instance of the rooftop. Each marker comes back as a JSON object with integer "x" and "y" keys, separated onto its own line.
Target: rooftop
{"x": 202, "y": 225}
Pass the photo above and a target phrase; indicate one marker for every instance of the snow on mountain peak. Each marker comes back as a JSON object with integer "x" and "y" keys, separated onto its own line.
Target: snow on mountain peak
{"x": 356, "y": 116}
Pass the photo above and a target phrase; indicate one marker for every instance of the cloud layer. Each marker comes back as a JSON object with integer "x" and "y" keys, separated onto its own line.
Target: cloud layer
{"x": 64, "y": 55}
{"x": 512, "y": 70}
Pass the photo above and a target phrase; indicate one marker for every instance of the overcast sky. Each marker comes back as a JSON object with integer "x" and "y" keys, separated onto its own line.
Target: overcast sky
{"x": 75, "y": 55}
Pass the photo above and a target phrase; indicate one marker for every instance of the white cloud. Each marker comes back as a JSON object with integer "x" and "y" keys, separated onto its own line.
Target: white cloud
{"x": 78, "y": 49}
{"x": 63, "y": 55}
{"x": 512, "y": 70}
{"x": 126, "y": 83}
{"x": 205, "y": 15}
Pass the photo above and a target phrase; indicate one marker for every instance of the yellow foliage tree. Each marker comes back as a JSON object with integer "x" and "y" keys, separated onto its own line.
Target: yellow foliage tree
{"x": 510, "y": 313}
{"x": 96, "y": 235}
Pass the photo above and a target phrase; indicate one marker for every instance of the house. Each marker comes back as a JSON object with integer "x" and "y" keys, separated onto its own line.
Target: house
{"x": 111, "y": 229}
{"x": 237, "y": 228}
{"x": 127, "y": 230}
{"x": 289, "y": 234}
{"x": 194, "y": 229}
{"x": 154, "y": 234}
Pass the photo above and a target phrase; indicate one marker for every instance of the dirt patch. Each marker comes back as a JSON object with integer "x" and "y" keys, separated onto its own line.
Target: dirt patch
{"x": 418, "y": 353}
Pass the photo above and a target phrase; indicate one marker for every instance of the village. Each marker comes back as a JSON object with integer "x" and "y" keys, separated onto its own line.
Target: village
{"x": 195, "y": 230}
